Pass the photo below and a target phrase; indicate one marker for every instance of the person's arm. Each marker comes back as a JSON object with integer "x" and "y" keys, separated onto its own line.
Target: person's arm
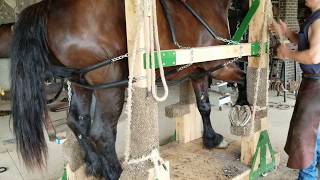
{"x": 282, "y": 30}
{"x": 309, "y": 56}
{"x": 292, "y": 36}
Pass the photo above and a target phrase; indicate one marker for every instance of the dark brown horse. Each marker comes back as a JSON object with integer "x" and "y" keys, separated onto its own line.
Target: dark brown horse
{"x": 81, "y": 33}
{"x": 5, "y": 39}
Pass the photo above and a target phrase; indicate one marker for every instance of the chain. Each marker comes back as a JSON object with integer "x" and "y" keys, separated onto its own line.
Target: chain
{"x": 69, "y": 92}
{"x": 191, "y": 62}
{"x": 228, "y": 41}
{"x": 119, "y": 57}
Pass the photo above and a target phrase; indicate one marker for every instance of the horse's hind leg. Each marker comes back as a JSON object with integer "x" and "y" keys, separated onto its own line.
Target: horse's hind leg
{"x": 104, "y": 129}
{"x": 210, "y": 138}
{"x": 79, "y": 122}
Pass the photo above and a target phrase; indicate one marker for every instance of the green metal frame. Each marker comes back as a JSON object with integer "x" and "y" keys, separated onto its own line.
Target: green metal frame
{"x": 263, "y": 168}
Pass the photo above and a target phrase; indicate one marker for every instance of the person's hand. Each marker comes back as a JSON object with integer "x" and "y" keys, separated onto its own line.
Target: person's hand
{"x": 283, "y": 52}
{"x": 280, "y": 28}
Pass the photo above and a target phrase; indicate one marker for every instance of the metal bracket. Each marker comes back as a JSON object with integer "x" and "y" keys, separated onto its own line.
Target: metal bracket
{"x": 168, "y": 59}
{"x": 263, "y": 167}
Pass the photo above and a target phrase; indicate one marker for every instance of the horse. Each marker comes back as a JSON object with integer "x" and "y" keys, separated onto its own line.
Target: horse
{"x": 77, "y": 34}
{"x": 5, "y": 39}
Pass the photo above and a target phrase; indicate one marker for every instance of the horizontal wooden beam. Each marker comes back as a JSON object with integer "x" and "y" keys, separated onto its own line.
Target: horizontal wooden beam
{"x": 203, "y": 54}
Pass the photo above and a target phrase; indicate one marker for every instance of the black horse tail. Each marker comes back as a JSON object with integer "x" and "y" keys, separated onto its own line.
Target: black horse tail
{"x": 29, "y": 67}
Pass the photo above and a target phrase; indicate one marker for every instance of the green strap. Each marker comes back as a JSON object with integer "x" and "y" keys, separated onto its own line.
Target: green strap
{"x": 246, "y": 21}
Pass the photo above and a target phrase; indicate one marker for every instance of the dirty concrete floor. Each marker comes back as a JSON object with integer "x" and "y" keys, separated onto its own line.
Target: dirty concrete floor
{"x": 278, "y": 127}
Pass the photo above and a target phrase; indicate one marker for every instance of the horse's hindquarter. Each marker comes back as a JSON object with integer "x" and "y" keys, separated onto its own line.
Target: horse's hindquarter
{"x": 84, "y": 32}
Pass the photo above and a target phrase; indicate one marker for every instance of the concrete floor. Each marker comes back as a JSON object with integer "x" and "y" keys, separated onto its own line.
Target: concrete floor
{"x": 278, "y": 125}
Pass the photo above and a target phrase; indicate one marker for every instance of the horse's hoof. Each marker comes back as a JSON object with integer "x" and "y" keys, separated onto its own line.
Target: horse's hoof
{"x": 94, "y": 169}
{"x": 115, "y": 174}
{"x": 210, "y": 141}
{"x": 223, "y": 145}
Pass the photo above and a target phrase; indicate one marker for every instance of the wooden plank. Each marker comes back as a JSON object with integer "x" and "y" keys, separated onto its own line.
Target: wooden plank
{"x": 144, "y": 137}
{"x": 133, "y": 16}
{"x": 258, "y": 32}
{"x": 176, "y": 57}
{"x": 204, "y": 54}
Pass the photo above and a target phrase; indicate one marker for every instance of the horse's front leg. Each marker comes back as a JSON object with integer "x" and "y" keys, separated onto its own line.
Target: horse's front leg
{"x": 210, "y": 138}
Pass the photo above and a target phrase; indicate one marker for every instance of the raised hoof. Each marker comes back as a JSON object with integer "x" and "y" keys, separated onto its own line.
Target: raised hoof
{"x": 213, "y": 140}
{"x": 115, "y": 175}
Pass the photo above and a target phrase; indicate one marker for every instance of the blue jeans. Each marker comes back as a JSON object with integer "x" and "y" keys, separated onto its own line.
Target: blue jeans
{"x": 311, "y": 173}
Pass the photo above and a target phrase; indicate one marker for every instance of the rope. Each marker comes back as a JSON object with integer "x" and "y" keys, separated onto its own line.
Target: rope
{"x": 154, "y": 30}
{"x": 130, "y": 91}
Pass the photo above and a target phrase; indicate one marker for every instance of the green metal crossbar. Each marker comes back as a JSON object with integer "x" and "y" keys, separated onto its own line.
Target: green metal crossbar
{"x": 262, "y": 146}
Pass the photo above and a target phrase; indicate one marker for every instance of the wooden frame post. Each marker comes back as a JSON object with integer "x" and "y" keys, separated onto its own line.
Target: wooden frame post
{"x": 257, "y": 82}
{"x": 144, "y": 130}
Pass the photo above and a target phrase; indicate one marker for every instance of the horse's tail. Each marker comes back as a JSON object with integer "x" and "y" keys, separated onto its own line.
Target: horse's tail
{"x": 29, "y": 66}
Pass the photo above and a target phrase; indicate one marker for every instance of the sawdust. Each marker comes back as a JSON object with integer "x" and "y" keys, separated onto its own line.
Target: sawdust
{"x": 192, "y": 161}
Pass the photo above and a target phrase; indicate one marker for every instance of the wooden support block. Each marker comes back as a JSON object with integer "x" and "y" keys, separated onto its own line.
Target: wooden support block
{"x": 257, "y": 88}
{"x": 186, "y": 114}
{"x": 189, "y": 126}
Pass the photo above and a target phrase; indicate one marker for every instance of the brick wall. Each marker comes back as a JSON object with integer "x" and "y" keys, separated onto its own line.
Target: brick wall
{"x": 288, "y": 12}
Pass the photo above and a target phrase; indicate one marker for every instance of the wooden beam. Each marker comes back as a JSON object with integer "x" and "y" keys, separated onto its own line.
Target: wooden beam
{"x": 144, "y": 130}
{"x": 204, "y": 54}
{"x": 177, "y": 57}
{"x": 257, "y": 67}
